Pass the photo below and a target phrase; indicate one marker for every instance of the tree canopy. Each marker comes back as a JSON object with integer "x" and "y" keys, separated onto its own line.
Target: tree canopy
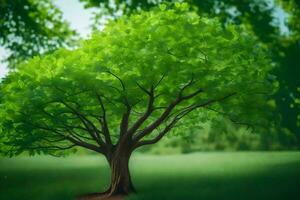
{"x": 262, "y": 18}
{"x": 258, "y": 15}
{"x": 31, "y": 27}
{"x": 134, "y": 81}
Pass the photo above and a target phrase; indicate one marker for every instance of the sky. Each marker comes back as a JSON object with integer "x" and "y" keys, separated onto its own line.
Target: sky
{"x": 3, "y": 69}
{"x": 80, "y": 19}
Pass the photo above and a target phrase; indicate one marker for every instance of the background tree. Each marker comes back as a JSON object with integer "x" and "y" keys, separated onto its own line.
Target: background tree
{"x": 133, "y": 83}
{"x": 31, "y": 27}
{"x": 259, "y": 16}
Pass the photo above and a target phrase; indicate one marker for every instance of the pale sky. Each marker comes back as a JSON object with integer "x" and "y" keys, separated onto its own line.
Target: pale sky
{"x": 78, "y": 17}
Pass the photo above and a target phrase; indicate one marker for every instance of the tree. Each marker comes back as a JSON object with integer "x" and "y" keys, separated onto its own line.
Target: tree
{"x": 288, "y": 50}
{"x": 133, "y": 83}
{"x": 258, "y": 17}
{"x": 31, "y": 27}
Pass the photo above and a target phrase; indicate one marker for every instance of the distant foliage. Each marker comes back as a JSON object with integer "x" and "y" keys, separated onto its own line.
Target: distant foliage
{"x": 31, "y": 27}
{"x": 221, "y": 134}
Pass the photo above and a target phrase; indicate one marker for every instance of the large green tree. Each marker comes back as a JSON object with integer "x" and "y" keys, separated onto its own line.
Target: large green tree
{"x": 133, "y": 83}
{"x": 260, "y": 17}
{"x": 31, "y": 27}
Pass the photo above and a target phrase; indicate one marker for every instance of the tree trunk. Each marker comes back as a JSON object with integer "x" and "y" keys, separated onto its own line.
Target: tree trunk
{"x": 121, "y": 183}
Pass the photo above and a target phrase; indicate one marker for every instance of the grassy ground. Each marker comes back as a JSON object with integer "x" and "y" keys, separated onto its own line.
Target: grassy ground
{"x": 207, "y": 176}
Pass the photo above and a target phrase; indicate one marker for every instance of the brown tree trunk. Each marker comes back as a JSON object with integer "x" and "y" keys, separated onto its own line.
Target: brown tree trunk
{"x": 121, "y": 183}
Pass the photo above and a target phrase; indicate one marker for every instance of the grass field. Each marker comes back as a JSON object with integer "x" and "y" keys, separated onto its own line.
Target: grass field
{"x": 207, "y": 176}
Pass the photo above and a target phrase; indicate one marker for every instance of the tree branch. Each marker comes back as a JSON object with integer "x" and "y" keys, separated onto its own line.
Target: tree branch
{"x": 148, "y": 112}
{"x": 179, "y": 116}
{"x": 231, "y": 119}
{"x": 157, "y": 138}
{"x": 160, "y": 80}
{"x": 87, "y": 123}
{"x": 70, "y": 138}
{"x": 52, "y": 147}
{"x": 69, "y": 128}
{"x": 122, "y": 84}
{"x": 103, "y": 122}
{"x": 168, "y": 110}
{"x": 125, "y": 121}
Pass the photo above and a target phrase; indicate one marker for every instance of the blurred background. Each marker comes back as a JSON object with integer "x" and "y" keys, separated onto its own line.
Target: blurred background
{"x": 267, "y": 167}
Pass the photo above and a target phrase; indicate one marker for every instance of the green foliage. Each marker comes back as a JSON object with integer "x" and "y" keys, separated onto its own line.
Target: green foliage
{"x": 257, "y": 15}
{"x": 51, "y": 101}
{"x": 287, "y": 55}
{"x": 31, "y": 27}
{"x": 260, "y": 17}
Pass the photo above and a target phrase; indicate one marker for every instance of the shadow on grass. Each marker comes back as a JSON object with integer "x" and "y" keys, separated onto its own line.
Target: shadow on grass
{"x": 213, "y": 177}
{"x": 51, "y": 184}
{"x": 275, "y": 183}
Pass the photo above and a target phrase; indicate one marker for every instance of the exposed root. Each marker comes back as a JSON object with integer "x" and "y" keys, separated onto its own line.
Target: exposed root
{"x": 101, "y": 196}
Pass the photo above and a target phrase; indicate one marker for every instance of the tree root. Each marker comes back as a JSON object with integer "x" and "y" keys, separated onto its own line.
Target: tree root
{"x": 101, "y": 196}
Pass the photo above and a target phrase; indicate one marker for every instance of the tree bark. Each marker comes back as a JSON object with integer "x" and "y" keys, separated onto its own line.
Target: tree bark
{"x": 121, "y": 183}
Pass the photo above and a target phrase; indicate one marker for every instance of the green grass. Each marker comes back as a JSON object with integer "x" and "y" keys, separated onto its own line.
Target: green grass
{"x": 215, "y": 176}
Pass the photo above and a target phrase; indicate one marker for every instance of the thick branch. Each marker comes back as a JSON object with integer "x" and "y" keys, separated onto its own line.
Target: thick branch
{"x": 157, "y": 138}
{"x": 125, "y": 121}
{"x": 148, "y": 112}
{"x": 71, "y": 139}
{"x": 168, "y": 111}
{"x": 103, "y": 122}
{"x": 178, "y": 117}
{"x": 52, "y": 147}
{"x": 67, "y": 126}
{"x": 157, "y": 122}
{"x": 87, "y": 123}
